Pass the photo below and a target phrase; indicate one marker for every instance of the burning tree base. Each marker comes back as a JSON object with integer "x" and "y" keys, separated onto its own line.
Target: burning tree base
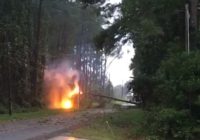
{"x": 62, "y": 88}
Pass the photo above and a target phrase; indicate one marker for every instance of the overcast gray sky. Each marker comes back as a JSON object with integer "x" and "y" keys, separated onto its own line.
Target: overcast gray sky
{"x": 114, "y": 1}
{"x": 118, "y": 71}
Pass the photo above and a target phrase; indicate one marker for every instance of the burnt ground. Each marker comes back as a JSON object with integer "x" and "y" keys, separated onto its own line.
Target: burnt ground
{"x": 42, "y": 129}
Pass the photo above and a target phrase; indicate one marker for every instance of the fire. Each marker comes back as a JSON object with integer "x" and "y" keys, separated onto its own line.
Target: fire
{"x": 67, "y": 104}
{"x": 62, "y": 88}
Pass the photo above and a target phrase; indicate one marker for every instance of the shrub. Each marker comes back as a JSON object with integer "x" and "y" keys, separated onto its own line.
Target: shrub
{"x": 169, "y": 124}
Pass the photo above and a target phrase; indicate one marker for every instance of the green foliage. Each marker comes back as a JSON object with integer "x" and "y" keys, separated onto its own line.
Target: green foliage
{"x": 163, "y": 75}
{"x": 154, "y": 27}
{"x": 170, "y": 124}
{"x": 179, "y": 80}
{"x": 107, "y": 39}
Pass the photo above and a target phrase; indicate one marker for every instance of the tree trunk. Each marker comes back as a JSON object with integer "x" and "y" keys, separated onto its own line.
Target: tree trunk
{"x": 36, "y": 50}
{"x": 193, "y": 23}
{"x": 193, "y": 14}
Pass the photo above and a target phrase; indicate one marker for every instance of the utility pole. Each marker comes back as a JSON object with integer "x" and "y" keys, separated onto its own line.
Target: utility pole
{"x": 187, "y": 28}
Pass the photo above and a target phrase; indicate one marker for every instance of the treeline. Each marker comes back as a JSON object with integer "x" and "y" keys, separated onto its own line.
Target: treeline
{"x": 166, "y": 74}
{"x": 35, "y": 33}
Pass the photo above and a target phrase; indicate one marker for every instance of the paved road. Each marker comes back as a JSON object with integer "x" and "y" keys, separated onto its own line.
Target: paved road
{"x": 42, "y": 129}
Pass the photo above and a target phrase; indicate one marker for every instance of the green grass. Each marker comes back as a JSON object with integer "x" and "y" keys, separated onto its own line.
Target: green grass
{"x": 28, "y": 115}
{"x": 123, "y": 125}
{"x": 99, "y": 132}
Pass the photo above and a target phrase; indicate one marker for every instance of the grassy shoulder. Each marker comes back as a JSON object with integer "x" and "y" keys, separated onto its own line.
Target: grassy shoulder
{"x": 28, "y": 115}
{"x": 121, "y": 125}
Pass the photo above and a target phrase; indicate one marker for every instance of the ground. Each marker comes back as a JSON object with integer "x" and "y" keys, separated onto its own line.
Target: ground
{"x": 42, "y": 128}
{"x": 94, "y": 124}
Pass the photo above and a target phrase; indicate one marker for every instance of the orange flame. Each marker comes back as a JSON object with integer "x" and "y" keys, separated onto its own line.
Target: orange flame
{"x": 61, "y": 88}
{"x": 67, "y": 104}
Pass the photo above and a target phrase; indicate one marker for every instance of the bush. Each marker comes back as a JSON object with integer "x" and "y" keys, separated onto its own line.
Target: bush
{"x": 177, "y": 93}
{"x": 178, "y": 81}
{"x": 169, "y": 124}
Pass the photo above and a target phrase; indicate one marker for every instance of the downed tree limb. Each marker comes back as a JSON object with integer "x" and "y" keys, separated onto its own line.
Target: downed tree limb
{"x": 112, "y": 98}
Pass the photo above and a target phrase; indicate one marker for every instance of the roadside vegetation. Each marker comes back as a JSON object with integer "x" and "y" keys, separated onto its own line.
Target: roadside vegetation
{"x": 34, "y": 114}
{"x": 166, "y": 66}
{"x": 121, "y": 125}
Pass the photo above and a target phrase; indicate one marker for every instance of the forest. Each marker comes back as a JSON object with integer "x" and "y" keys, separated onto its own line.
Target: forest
{"x": 166, "y": 74}
{"x": 39, "y": 33}
{"x": 37, "y": 36}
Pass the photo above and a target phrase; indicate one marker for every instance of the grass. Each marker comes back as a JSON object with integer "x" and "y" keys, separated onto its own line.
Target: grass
{"x": 122, "y": 125}
{"x": 98, "y": 132}
{"x": 28, "y": 115}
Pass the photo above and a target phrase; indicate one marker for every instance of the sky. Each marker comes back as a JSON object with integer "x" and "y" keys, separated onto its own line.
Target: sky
{"x": 118, "y": 70}
{"x": 114, "y": 1}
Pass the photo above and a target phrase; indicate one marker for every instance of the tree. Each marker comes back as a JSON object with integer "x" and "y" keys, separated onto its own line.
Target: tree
{"x": 34, "y": 34}
{"x": 164, "y": 77}
{"x": 179, "y": 86}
